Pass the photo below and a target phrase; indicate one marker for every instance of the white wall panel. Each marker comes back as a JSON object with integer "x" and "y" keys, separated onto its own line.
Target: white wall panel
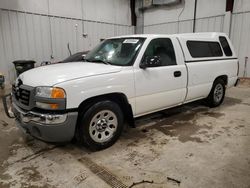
{"x": 65, "y": 8}
{"x": 239, "y": 35}
{"x": 31, "y": 36}
{"x": 3, "y": 64}
{"x": 210, "y": 17}
{"x": 211, "y": 24}
{"x": 45, "y": 38}
{"x": 167, "y": 14}
{"x": 7, "y": 52}
{"x": 39, "y": 30}
{"x": 184, "y": 11}
{"x": 36, "y": 21}
{"x": 157, "y": 29}
{"x": 170, "y": 28}
{"x": 241, "y": 6}
{"x": 179, "y": 19}
{"x": 124, "y": 16}
{"x": 66, "y": 31}
{"x": 185, "y": 26}
{"x": 210, "y": 8}
{"x": 35, "y": 6}
{"x": 23, "y": 35}
{"x": 110, "y": 11}
{"x": 240, "y": 28}
{"x": 14, "y": 35}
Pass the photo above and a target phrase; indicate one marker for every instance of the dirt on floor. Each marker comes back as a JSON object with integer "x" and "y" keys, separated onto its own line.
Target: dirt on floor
{"x": 188, "y": 146}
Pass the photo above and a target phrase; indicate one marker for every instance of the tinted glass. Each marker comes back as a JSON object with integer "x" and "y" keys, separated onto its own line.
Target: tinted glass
{"x": 163, "y": 48}
{"x": 117, "y": 51}
{"x": 226, "y": 48}
{"x": 75, "y": 57}
{"x": 204, "y": 49}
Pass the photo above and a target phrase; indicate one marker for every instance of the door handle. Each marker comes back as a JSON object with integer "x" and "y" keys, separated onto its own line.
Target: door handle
{"x": 177, "y": 73}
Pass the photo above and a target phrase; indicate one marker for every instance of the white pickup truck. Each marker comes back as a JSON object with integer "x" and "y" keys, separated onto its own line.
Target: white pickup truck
{"x": 122, "y": 78}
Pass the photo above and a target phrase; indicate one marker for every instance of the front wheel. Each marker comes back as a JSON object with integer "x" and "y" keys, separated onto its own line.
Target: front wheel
{"x": 101, "y": 125}
{"x": 217, "y": 93}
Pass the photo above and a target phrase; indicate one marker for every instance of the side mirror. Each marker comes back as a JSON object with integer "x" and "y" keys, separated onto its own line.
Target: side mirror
{"x": 45, "y": 63}
{"x": 150, "y": 61}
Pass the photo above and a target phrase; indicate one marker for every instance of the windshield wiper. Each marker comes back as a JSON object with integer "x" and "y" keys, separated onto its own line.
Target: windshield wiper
{"x": 98, "y": 61}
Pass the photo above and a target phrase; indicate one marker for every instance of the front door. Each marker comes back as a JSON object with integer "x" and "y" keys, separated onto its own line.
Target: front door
{"x": 162, "y": 86}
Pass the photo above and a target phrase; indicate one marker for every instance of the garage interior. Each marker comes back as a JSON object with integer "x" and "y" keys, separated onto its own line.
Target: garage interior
{"x": 187, "y": 146}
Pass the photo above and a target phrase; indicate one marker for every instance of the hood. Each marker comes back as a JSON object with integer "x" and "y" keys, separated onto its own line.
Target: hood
{"x": 52, "y": 74}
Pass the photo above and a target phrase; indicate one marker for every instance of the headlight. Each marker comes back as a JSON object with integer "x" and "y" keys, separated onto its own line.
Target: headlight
{"x": 51, "y": 98}
{"x": 50, "y": 92}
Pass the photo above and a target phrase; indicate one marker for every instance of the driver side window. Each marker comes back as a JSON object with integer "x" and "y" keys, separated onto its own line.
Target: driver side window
{"x": 163, "y": 48}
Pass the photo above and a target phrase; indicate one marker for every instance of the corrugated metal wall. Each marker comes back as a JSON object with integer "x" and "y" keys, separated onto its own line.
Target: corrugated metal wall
{"x": 209, "y": 24}
{"x": 41, "y": 37}
{"x": 240, "y": 36}
{"x": 213, "y": 23}
{"x": 38, "y": 36}
{"x": 168, "y": 28}
{"x": 211, "y": 16}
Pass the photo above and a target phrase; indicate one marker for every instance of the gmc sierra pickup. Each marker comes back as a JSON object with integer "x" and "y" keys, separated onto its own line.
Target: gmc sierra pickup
{"x": 122, "y": 78}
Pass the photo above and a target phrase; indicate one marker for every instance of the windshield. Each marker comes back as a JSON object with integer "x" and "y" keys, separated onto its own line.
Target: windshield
{"x": 119, "y": 51}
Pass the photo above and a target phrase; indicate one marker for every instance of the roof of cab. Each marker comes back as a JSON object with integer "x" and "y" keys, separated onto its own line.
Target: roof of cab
{"x": 203, "y": 35}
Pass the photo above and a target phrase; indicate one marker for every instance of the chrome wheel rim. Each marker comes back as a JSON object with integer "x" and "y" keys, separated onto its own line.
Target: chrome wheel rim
{"x": 218, "y": 93}
{"x": 102, "y": 126}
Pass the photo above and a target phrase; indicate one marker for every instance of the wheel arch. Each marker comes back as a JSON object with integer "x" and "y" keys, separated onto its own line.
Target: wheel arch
{"x": 223, "y": 77}
{"x": 119, "y": 98}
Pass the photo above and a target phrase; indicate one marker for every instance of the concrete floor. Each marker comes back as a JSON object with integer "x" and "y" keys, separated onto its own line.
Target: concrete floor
{"x": 189, "y": 146}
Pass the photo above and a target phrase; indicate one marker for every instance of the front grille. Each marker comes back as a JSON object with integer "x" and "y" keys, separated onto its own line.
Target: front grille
{"x": 21, "y": 95}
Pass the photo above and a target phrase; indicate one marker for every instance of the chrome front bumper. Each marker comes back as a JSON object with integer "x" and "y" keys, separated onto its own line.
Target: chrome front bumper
{"x": 46, "y": 119}
{"x": 47, "y": 127}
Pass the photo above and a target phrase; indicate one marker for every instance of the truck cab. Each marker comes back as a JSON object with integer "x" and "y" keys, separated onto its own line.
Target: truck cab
{"x": 122, "y": 78}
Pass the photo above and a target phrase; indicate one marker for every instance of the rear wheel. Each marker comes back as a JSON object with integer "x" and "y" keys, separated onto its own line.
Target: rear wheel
{"x": 101, "y": 125}
{"x": 217, "y": 93}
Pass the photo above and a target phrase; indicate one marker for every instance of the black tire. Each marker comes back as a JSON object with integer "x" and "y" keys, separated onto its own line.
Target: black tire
{"x": 213, "y": 100}
{"x": 92, "y": 140}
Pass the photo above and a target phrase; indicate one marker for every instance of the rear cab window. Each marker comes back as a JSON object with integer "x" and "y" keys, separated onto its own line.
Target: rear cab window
{"x": 225, "y": 46}
{"x": 201, "y": 49}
